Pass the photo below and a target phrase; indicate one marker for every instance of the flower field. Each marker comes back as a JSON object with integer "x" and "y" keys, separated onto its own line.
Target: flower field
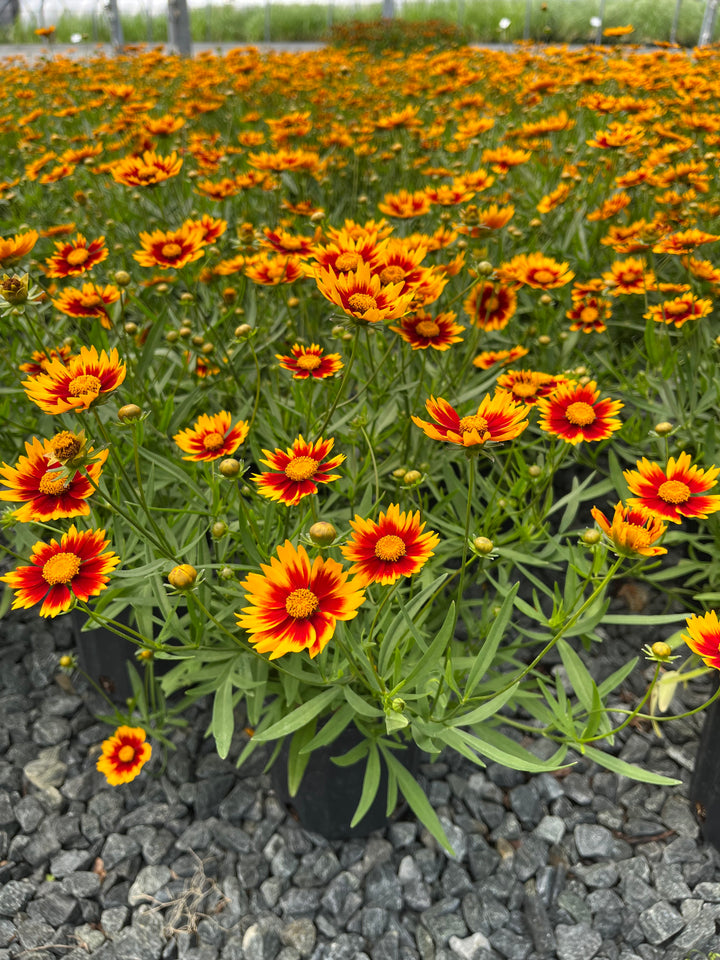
{"x": 363, "y": 381}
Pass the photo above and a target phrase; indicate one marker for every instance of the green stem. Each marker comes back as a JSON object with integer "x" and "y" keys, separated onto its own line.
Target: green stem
{"x": 341, "y": 388}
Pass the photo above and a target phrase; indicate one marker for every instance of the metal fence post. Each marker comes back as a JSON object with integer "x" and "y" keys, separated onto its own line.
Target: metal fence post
{"x": 708, "y": 23}
{"x": 601, "y": 18}
{"x": 179, "y": 27}
{"x": 676, "y": 18}
{"x": 116, "y": 30}
{"x": 528, "y": 14}
{"x": 388, "y": 9}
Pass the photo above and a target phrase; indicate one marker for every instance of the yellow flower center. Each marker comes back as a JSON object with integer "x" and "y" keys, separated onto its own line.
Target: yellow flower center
{"x": 61, "y": 568}
{"x": 674, "y": 491}
{"x": 525, "y": 389}
{"x": 543, "y": 276}
{"x": 588, "y": 314}
{"x": 146, "y": 173}
{"x": 213, "y": 441}
{"x": 362, "y": 302}
{"x": 492, "y": 305}
{"x": 675, "y": 309}
{"x": 475, "y": 422}
{"x": 308, "y": 361}
{"x": 347, "y": 262}
{"x": 171, "y": 250}
{"x": 637, "y": 537}
{"x": 52, "y": 484}
{"x": 65, "y": 445}
{"x": 77, "y": 257}
{"x": 390, "y": 548}
{"x": 126, "y": 754}
{"x": 427, "y": 328}
{"x": 90, "y": 300}
{"x": 301, "y": 603}
{"x": 301, "y": 468}
{"x": 392, "y": 274}
{"x": 580, "y": 413}
{"x": 84, "y": 384}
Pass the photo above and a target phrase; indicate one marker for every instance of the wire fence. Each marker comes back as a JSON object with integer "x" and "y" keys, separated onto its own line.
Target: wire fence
{"x": 183, "y": 22}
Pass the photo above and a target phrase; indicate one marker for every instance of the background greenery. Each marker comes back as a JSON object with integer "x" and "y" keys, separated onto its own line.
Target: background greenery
{"x": 566, "y": 21}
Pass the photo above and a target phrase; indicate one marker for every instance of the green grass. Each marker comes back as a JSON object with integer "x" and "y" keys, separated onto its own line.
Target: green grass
{"x": 564, "y": 21}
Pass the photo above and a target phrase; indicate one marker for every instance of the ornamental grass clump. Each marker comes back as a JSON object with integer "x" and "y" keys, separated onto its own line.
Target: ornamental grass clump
{"x": 357, "y": 412}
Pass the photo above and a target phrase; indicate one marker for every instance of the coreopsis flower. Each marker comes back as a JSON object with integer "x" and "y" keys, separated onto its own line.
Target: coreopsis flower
{"x": 684, "y": 241}
{"x": 363, "y": 296}
{"x": 679, "y": 490}
{"x": 296, "y": 472}
{"x": 146, "y": 170}
{"x": 617, "y": 135}
{"x": 14, "y": 290}
{"x": 498, "y": 418}
{"x": 40, "y": 359}
{"x": 575, "y": 412}
{"x": 632, "y": 531}
{"x": 13, "y": 249}
{"x": 280, "y": 160}
{"x": 310, "y": 362}
{"x": 282, "y": 241}
{"x": 477, "y": 221}
{"x": 395, "y": 546}
{"x": 92, "y": 300}
{"x": 75, "y": 257}
{"x": 47, "y": 493}
{"x": 163, "y": 126}
{"x": 405, "y": 205}
{"x": 294, "y": 604}
{"x": 703, "y": 637}
{"x": 123, "y": 755}
{"x": 502, "y": 159}
{"x": 210, "y": 228}
{"x": 170, "y": 249}
{"x": 345, "y": 252}
{"x": 629, "y": 276}
{"x": 609, "y": 207}
{"x": 269, "y": 271}
{"x": 679, "y": 310}
{"x": 421, "y": 330}
{"x": 489, "y": 358}
{"x": 212, "y": 436}
{"x": 527, "y": 386}
{"x": 61, "y": 572}
{"x": 87, "y": 378}
{"x": 535, "y": 270}
{"x": 490, "y": 306}
{"x": 589, "y": 314}
{"x": 399, "y": 262}
{"x": 555, "y": 198}
{"x": 220, "y": 190}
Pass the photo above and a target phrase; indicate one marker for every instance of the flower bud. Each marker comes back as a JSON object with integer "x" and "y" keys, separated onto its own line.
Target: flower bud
{"x": 131, "y": 411}
{"x": 171, "y": 336}
{"x": 229, "y": 294}
{"x": 534, "y": 470}
{"x": 661, "y": 649}
{"x": 484, "y": 268}
{"x": 67, "y": 662}
{"x": 243, "y": 330}
{"x": 186, "y": 297}
{"x": 411, "y": 477}
{"x": 131, "y": 328}
{"x": 226, "y": 573}
{"x": 182, "y": 577}
{"x": 322, "y": 534}
{"x": 544, "y": 340}
{"x": 293, "y": 302}
{"x": 399, "y": 473}
{"x": 122, "y": 278}
{"x": 591, "y": 537}
{"x": 218, "y": 529}
{"x": 483, "y": 545}
{"x": 145, "y": 655}
{"x": 546, "y": 299}
{"x": 664, "y": 427}
{"x": 230, "y": 467}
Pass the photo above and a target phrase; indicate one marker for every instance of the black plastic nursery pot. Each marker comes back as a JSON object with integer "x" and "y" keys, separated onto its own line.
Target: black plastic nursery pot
{"x": 705, "y": 781}
{"x": 328, "y": 795}
{"x": 105, "y": 656}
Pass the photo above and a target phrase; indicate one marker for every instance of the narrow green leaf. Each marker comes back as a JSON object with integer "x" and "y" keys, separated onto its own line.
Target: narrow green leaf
{"x": 299, "y": 717}
{"x": 371, "y": 782}
{"x": 223, "y": 717}
{"x": 644, "y": 619}
{"x": 138, "y": 688}
{"x": 578, "y": 675}
{"x": 352, "y": 756}
{"x": 485, "y": 710}
{"x": 616, "y": 678}
{"x": 433, "y": 652}
{"x": 332, "y": 729}
{"x": 297, "y": 758}
{"x": 419, "y": 803}
{"x": 626, "y": 769}
{"x": 489, "y": 648}
{"x": 360, "y": 705}
{"x": 496, "y": 746}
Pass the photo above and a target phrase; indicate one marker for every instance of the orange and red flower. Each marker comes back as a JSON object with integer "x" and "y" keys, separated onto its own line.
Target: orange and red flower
{"x": 212, "y": 436}
{"x": 526, "y": 386}
{"x": 497, "y": 419}
{"x": 75, "y": 257}
{"x": 77, "y": 384}
{"x": 490, "y": 305}
{"x": 421, "y": 330}
{"x": 362, "y": 295}
{"x": 295, "y": 473}
{"x": 489, "y": 358}
{"x": 680, "y": 310}
{"x": 147, "y": 170}
{"x": 703, "y": 637}
{"x": 632, "y": 531}
{"x": 393, "y": 547}
{"x": 535, "y": 270}
{"x": 13, "y": 249}
{"x": 90, "y": 301}
{"x": 123, "y": 755}
{"x": 675, "y": 492}
{"x": 305, "y": 362}
{"x": 40, "y": 359}
{"x": 294, "y": 605}
{"x": 170, "y": 249}
{"x": 60, "y": 573}
{"x": 45, "y": 490}
{"x": 575, "y": 412}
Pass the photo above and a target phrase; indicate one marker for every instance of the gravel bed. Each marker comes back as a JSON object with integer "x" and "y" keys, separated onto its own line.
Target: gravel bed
{"x": 201, "y": 861}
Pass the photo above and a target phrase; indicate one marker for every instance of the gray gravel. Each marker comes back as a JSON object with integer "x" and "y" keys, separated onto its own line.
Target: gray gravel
{"x": 202, "y": 861}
